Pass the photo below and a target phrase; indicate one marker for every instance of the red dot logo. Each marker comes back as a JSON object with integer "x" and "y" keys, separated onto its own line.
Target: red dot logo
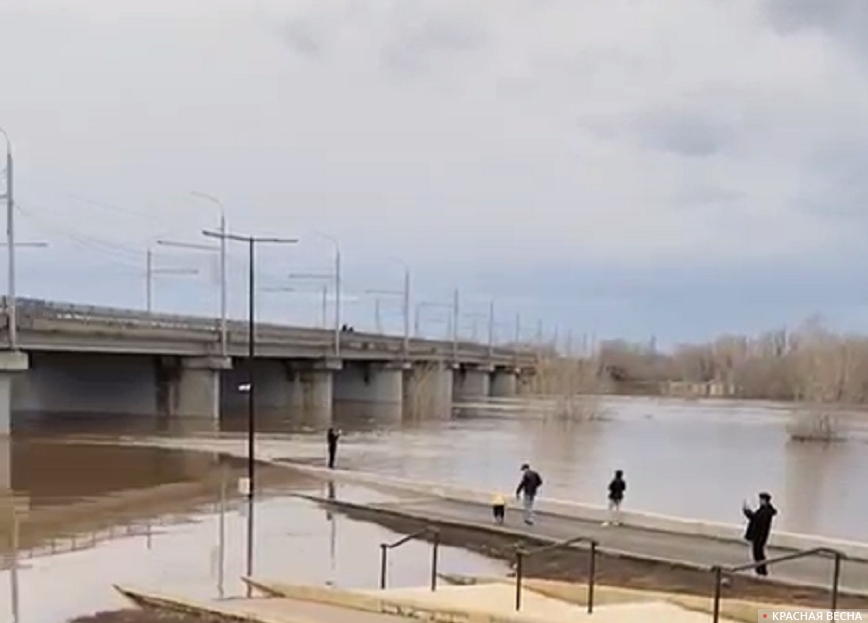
{"x": 765, "y": 616}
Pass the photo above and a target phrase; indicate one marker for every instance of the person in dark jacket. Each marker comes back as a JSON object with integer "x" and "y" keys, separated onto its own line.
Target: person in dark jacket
{"x": 616, "y": 495}
{"x": 527, "y": 490}
{"x": 332, "y": 437}
{"x": 759, "y": 526}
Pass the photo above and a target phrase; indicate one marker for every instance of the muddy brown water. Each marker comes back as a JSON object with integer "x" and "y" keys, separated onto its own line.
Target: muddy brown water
{"x": 160, "y": 530}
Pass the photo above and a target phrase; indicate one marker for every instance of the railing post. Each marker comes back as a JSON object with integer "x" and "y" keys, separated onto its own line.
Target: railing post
{"x": 718, "y": 582}
{"x": 384, "y": 553}
{"x": 592, "y": 572}
{"x": 435, "y": 549}
{"x": 519, "y": 563}
{"x": 836, "y": 578}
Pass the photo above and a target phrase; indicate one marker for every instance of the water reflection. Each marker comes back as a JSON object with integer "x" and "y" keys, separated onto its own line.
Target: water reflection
{"x": 292, "y": 542}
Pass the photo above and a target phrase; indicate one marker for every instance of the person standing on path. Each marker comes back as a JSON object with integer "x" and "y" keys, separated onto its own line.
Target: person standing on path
{"x": 332, "y": 437}
{"x": 527, "y": 490}
{"x": 616, "y": 495}
{"x": 759, "y": 526}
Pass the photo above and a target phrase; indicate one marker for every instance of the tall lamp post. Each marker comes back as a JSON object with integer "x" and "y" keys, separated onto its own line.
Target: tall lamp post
{"x": 251, "y": 242}
{"x": 224, "y": 338}
{"x": 337, "y": 278}
{"x": 11, "y": 308}
{"x": 151, "y": 272}
{"x": 221, "y": 249}
{"x": 404, "y": 293}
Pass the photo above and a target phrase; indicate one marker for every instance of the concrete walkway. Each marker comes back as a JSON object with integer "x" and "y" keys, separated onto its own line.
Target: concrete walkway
{"x": 697, "y": 551}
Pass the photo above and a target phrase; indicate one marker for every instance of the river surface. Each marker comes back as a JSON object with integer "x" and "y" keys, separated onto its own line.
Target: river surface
{"x": 697, "y": 459}
{"x": 162, "y": 541}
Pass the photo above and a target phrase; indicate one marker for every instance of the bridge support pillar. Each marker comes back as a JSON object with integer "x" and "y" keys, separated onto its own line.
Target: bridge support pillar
{"x": 196, "y": 392}
{"x": 371, "y": 382}
{"x": 504, "y": 382}
{"x": 12, "y": 363}
{"x": 312, "y": 384}
{"x": 428, "y": 389}
{"x": 472, "y": 382}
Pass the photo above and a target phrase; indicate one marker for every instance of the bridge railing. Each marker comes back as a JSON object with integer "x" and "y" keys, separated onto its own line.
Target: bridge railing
{"x": 31, "y": 311}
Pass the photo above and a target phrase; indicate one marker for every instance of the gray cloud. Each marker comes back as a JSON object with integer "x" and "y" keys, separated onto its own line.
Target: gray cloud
{"x": 846, "y": 20}
{"x": 684, "y": 132}
{"x": 416, "y": 46}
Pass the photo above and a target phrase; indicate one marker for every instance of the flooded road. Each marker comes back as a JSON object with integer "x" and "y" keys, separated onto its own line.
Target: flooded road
{"x": 697, "y": 459}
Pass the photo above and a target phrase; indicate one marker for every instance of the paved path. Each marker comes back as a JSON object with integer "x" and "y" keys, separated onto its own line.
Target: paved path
{"x": 641, "y": 543}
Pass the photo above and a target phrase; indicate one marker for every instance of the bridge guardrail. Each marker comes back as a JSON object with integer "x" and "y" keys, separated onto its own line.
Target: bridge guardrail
{"x": 32, "y": 311}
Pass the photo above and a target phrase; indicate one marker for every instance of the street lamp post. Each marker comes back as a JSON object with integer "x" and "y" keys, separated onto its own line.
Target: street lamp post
{"x": 324, "y": 308}
{"x": 405, "y": 294}
{"x": 251, "y": 242}
{"x": 337, "y": 278}
{"x": 455, "y": 314}
{"x": 491, "y": 330}
{"x": 151, "y": 272}
{"x": 224, "y": 337}
{"x": 11, "y": 308}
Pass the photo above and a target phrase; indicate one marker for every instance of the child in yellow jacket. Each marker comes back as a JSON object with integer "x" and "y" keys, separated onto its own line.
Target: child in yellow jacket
{"x": 498, "y": 508}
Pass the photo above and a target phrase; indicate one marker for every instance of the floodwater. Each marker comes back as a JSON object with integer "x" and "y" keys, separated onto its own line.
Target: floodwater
{"x": 179, "y": 550}
{"x": 697, "y": 459}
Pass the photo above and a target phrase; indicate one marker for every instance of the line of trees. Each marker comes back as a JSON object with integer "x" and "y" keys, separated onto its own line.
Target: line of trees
{"x": 809, "y": 364}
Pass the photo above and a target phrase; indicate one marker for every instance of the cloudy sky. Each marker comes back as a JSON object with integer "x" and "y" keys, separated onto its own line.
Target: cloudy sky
{"x": 677, "y": 168}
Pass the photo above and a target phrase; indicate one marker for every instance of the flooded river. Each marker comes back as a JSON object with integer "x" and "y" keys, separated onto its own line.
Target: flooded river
{"x": 101, "y": 514}
{"x": 170, "y": 541}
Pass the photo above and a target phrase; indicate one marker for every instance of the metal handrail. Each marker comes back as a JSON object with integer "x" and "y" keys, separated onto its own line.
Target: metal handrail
{"x": 719, "y": 570}
{"x": 521, "y": 554}
{"x": 434, "y": 533}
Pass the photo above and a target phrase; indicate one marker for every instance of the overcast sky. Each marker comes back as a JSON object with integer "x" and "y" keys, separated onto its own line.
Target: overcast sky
{"x": 677, "y": 168}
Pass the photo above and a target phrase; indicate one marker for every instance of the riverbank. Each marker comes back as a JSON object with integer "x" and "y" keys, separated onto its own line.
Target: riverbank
{"x": 571, "y": 565}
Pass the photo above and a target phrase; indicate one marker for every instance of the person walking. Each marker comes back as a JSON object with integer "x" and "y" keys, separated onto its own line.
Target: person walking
{"x": 759, "y": 526}
{"x": 332, "y": 437}
{"x": 527, "y": 490}
{"x": 616, "y": 495}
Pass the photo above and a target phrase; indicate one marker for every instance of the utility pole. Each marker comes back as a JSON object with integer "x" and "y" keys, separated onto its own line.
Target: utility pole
{"x": 11, "y": 306}
{"x": 455, "y": 320}
{"x": 224, "y": 339}
{"x": 491, "y": 329}
{"x": 251, "y": 242}
{"x": 151, "y": 272}
{"x": 377, "y": 323}
{"x": 406, "y": 313}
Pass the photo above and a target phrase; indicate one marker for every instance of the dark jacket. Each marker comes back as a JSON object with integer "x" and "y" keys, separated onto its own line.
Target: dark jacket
{"x": 759, "y": 523}
{"x": 530, "y": 483}
{"x": 616, "y": 489}
{"x": 332, "y": 437}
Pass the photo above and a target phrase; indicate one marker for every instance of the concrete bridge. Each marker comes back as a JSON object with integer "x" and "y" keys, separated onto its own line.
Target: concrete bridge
{"x": 75, "y": 358}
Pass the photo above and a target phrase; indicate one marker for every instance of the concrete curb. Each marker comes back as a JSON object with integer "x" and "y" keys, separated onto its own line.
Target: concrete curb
{"x": 587, "y": 512}
{"x": 352, "y": 600}
{"x": 518, "y": 534}
{"x": 180, "y": 605}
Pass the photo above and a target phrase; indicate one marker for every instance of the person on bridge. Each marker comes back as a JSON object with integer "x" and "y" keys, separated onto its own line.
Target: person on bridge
{"x": 616, "y": 495}
{"x": 332, "y": 437}
{"x": 527, "y": 489}
{"x": 759, "y": 526}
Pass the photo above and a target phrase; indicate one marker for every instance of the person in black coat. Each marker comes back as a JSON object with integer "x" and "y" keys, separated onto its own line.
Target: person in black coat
{"x": 332, "y": 437}
{"x": 527, "y": 489}
{"x": 759, "y": 526}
